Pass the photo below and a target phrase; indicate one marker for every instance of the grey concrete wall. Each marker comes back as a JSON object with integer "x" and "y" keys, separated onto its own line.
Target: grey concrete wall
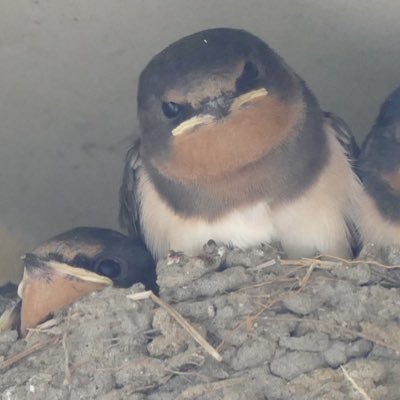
{"x": 68, "y": 74}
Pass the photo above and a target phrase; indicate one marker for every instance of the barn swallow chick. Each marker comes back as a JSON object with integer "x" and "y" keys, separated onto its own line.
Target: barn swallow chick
{"x": 72, "y": 265}
{"x": 234, "y": 147}
{"x": 379, "y": 169}
{"x": 106, "y": 252}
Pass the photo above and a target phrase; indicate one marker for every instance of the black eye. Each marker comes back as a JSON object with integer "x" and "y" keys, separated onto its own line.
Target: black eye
{"x": 171, "y": 109}
{"x": 109, "y": 268}
{"x": 250, "y": 72}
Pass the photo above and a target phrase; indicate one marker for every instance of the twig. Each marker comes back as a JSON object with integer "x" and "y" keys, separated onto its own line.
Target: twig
{"x": 282, "y": 279}
{"x": 354, "y": 384}
{"x": 306, "y": 277}
{"x": 326, "y": 264}
{"x": 27, "y": 352}
{"x": 184, "y": 374}
{"x": 306, "y": 262}
{"x": 43, "y": 327}
{"x": 274, "y": 281}
{"x": 355, "y": 262}
{"x": 263, "y": 265}
{"x": 179, "y": 319}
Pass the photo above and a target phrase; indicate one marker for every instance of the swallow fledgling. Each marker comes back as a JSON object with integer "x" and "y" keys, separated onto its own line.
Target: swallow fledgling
{"x": 379, "y": 170}
{"x": 234, "y": 147}
{"x": 125, "y": 260}
{"x": 73, "y": 264}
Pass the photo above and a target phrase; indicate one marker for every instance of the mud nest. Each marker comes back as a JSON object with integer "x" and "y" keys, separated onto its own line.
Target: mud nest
{"x": 319, "y": 328}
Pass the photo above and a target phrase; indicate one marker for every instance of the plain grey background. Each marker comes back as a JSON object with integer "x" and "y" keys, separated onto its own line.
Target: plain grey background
{"x": 68, "y": 75}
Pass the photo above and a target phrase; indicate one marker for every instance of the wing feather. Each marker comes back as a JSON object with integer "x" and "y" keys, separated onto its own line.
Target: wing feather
{"x": 130, "y": 202}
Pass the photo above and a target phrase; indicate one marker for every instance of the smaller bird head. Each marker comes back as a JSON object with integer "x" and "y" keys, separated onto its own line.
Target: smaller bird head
{"x": 389, "y": 117}
{"x": 379, "y": 162}
{"x": 106, "y": 252}
{"x": 73, "y": 264}
{"x": 381, "y": 149}
{"x": 214, "y": 102}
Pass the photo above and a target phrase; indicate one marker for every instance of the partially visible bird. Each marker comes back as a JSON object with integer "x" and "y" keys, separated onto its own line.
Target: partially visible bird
{"x": 379, "y": 169}
{"x": 73, "y": 264}
{"x": 125, "y": 260}
{"x": 234, "y": 147}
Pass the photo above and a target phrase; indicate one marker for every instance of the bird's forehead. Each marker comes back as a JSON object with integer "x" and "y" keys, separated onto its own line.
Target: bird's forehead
{"x": 211, "y": 58}
{"x": 68, "y": 249}
{"x": 207, "y": 83}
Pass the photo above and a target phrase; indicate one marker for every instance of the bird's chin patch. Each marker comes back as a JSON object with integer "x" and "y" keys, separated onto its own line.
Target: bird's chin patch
{"x": 46, "y": 288}
{"x": 206, "y": 150}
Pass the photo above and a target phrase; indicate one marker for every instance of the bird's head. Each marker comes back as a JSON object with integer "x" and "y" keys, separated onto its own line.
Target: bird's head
{"x": 214, "y": 102}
